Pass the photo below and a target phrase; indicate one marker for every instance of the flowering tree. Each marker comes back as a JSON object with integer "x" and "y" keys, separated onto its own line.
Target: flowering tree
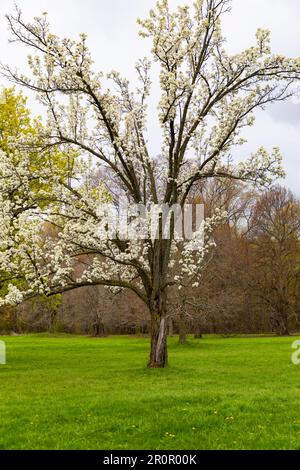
{"x": 207, "y": 98}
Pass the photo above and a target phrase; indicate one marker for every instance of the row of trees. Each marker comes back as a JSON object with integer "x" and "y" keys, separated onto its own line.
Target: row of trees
{"x": 53, "y": 239}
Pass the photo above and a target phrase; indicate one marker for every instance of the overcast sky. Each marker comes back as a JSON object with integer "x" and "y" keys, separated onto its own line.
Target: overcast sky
{"x": 112, "y": 31}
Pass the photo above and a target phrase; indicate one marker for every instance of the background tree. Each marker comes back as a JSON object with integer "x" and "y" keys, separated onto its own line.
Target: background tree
{"x": 274, "y": 238}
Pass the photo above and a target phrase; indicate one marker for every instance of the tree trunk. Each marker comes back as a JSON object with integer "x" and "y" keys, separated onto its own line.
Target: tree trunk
{"x": 99, "y": 329}
{"x": 182, "y": 329}
{"x": 280, "y": 321}
{"x": 198, "y": 334}
{"x": 52, "y": 318}
{"x": 285, "y": 320}
{"x": 158, "y": 353}
{"x": 158, "y": 303}
{"x": 170, "y": 327}
{"x": 283, "y": 328}
{"x": 182, "y": 335}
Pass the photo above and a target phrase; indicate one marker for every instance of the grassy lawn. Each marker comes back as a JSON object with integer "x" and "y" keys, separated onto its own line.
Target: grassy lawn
{"x": 83, "y": 393}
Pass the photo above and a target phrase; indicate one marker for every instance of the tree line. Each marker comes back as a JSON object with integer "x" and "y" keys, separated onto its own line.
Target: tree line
{"x": 250, "y": 283}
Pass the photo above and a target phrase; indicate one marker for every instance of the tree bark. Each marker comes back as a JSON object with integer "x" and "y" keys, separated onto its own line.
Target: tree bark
{"x": 158, "y": 303}
{"x": 159, "y": 353}
{"x": 159, "y": 333}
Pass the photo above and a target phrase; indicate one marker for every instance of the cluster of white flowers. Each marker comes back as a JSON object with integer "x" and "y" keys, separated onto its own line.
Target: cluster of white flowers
{"x": 194, "y": 252}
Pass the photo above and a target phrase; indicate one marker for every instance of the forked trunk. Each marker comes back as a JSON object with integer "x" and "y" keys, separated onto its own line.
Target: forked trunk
{"x": 158, "y": 303}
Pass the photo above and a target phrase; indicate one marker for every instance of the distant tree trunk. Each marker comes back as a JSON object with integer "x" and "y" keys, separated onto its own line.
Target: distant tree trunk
{"x": 281, "y": 330}
{"x": 52, "y": 318}
{"x": 283, "y": 327}
{"x": 14, "y": 321}
{"x": 182, "y": 329}
{"x": 198, "y": 334}
{"x": 281, "y": 322}
{"x": 170, "y": 327}
{"x": 99, "y": 329}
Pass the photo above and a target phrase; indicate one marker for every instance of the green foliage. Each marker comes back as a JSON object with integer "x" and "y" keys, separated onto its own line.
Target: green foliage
{"x": 14, "y": 119}
{"x": 16, "y": 123}
{"x": 48, "y": 303}
{"x": 69, "y": 392}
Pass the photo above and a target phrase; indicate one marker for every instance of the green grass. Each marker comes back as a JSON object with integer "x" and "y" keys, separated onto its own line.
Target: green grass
{"x": 82, "y": 393}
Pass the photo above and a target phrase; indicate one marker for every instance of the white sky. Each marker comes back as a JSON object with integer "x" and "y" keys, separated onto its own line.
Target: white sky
{"x": 112, "y": 31}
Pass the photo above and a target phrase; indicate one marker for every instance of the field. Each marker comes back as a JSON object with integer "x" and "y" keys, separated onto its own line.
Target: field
{"x": 70, "y": 392}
